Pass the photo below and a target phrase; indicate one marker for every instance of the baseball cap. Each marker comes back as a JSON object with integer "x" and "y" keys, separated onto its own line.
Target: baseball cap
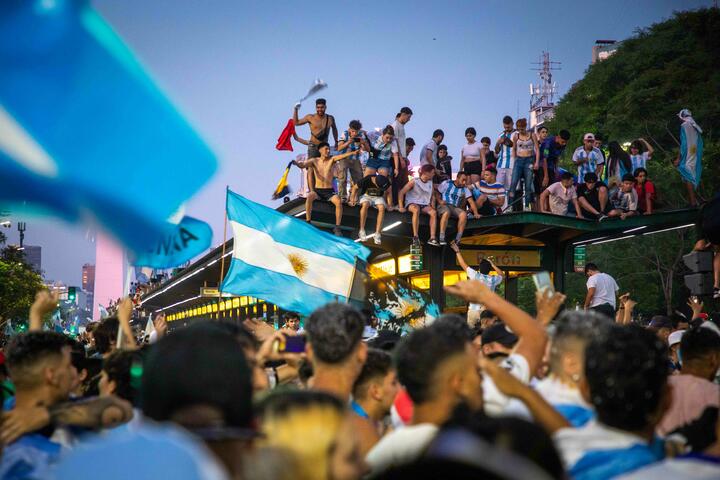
{"x": 382, "y": 182}
{"x": 500, "y": 334}
{"x": 675, "y": 337}
{"x": 589, "y": 136}
{"x": 660, "y": 321}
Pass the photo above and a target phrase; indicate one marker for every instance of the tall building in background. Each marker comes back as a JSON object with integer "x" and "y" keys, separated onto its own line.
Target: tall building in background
{"x": 88, "y": 277}
{"x": 88, "y": 285}
{"x": 33, "y": 257}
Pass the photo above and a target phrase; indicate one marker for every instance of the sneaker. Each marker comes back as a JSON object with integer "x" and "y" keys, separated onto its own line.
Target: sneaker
{"x": 337, "y": 232}
{"x": 602, "y": 217}
{"x": 361, "y": 236}
{"x": 415, "y": 242}
{"x": 527, "y": 208}
{"x": 442, "y": 241}
{"x": 377, "y": 239}
{"x": 716, "y": 293}
{"x": 433, "y": 242}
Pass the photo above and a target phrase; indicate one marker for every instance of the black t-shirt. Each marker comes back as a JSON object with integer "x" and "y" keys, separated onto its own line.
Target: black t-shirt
{"x": 369, "y": 187}
{"x": 591, "y": 195}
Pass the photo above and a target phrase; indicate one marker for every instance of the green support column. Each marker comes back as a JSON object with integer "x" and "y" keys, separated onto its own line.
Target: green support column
{"x": 433, "y": 260}
{"x": 511, "y": 289}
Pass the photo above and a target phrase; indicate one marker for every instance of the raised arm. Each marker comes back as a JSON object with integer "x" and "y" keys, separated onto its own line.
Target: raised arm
{"x": 45, "y": 302}
{"x": 650, "y": 149}
{"x": 124, "y": 314}
{"x": 304, "y": 163}
{"x": 459, "y": 257}
{"x": 301, "y": 121}
{"x": 531, "y": 335}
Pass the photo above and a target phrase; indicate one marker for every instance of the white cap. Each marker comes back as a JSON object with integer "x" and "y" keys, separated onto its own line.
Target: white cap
{"x": 675, "y": 337}
{"x": 589, "y": 136}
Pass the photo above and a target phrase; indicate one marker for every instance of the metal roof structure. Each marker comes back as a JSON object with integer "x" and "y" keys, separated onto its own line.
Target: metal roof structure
{"x": 554, "y": 237}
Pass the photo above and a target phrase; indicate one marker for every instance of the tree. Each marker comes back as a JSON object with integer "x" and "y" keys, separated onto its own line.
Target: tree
{"x": 637, "y": 92}
{"x": 19, "y": 285}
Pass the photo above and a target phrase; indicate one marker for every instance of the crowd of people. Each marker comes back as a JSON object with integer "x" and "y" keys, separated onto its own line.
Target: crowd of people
{"x": 518, "y": 170}
{"x": 583, "y": 394}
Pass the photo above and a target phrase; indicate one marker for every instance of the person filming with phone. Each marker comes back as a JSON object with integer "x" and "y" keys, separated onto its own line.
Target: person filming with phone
{"x": 482, "y": 274}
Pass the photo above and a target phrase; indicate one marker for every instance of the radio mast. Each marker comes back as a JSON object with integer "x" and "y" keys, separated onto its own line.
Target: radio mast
{"x": 542, "y": 94}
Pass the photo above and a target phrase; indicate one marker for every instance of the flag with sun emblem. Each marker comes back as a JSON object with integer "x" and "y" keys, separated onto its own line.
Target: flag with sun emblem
{"x": 286, "y": 261}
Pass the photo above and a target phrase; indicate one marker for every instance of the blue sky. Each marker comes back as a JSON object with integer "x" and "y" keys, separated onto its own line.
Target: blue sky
{"x": 237, "y": 67}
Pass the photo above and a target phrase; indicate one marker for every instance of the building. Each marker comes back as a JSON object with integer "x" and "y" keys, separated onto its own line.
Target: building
{"x": 603, "y": 49}
{"x": 88, "y": 277}
{"x": 33, "y": 257}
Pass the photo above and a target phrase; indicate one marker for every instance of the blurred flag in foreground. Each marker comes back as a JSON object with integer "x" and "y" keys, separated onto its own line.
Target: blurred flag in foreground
{"x": 286, "y": 261}
{"x": 691, "y": 148}
{"x": 282, "y": 188}
{"x": 85, "y": 133}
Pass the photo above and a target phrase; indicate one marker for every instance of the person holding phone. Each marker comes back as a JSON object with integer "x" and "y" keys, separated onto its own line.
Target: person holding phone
{"x": 483, "y": 275}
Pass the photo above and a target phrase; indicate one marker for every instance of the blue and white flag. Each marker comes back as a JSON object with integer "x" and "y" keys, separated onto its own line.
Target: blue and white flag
{"x": 85, "y": 133}
{"x": 286, "y": 261}
{"x": 691, "y": 148}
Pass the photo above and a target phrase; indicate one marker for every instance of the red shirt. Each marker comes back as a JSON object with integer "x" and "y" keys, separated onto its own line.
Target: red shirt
{"x": 645, "y": 191}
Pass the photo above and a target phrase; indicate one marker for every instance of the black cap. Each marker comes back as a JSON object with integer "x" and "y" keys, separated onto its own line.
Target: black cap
{"x": 498, "y": 333}
{"x": 660, "y": 321}
{"x": 382, "y": 182}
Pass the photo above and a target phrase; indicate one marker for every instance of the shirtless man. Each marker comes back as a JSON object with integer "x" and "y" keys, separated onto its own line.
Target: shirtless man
{"x": 322, "y": 168}
{"x": 320, "y": 126}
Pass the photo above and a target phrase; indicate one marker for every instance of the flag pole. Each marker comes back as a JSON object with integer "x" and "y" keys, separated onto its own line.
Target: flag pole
{"x": 222, "y": 258}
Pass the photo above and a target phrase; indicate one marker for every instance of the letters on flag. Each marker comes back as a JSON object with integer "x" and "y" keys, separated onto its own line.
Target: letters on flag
{"x": 84, "y": 131}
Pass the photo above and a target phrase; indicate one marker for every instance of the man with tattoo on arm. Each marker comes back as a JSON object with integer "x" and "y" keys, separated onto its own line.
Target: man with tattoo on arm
{"x": 321, "y": 166}
{"x": 41, "y": 368}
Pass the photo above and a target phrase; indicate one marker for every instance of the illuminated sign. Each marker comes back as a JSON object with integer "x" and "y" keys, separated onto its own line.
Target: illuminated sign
{"x": 504, "y": 258}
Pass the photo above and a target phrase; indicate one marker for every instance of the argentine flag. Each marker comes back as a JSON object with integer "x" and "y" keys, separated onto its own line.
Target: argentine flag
{"x": 691, "y": 149}
{"x": 286, "y": 261}
{"x": 85, "y": 133}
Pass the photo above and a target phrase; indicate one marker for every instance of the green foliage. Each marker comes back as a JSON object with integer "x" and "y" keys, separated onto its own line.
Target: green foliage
{"x": 18, "y": 286}
{"x": 639, "y": 90}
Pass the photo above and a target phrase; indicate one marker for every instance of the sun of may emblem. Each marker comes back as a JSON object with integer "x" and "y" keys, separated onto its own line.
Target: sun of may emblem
{"x": 299, "y": 264}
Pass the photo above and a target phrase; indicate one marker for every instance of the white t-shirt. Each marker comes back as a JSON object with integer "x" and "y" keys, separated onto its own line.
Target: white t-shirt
{"x": 432, "y": 146}
{"x": 495, "y": 402}
{"x": 400, "y": 446}
{"x": 472, "y": 150}
{"x": 399, "y": 138}
{"x": 605, "y": 289}
{"x": 491, "y": 281}
{"x": 420, "y": 194}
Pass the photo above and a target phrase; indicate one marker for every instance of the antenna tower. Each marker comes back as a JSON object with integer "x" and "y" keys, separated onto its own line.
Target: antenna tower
{"x": 542, "y": 94}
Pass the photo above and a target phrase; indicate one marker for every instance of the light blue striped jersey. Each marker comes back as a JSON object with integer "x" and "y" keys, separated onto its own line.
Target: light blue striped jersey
{"x": 505, "y": 155}
{"x": 452, "y": 194}
{"x": 594, "y": 158}
{"x": 639, "y": 161}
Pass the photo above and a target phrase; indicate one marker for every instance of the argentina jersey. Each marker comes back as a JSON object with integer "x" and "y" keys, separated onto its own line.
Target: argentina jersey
{"x": 505, "y": 155}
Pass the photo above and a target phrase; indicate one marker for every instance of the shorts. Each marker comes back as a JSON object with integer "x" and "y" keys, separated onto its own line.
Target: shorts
{"x": 417, "y": 205}
{"x": 373, "y": 201}
{"x": 487, "y": 209}
{"x": 454, "y": 211}
{"x": 377, "y": 164}
{"x": 325, "y": 193}
{"x": 473, "y": 168}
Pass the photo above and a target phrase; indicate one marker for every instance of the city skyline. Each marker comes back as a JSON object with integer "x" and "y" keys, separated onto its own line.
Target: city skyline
{"x": 237, "y": 73}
